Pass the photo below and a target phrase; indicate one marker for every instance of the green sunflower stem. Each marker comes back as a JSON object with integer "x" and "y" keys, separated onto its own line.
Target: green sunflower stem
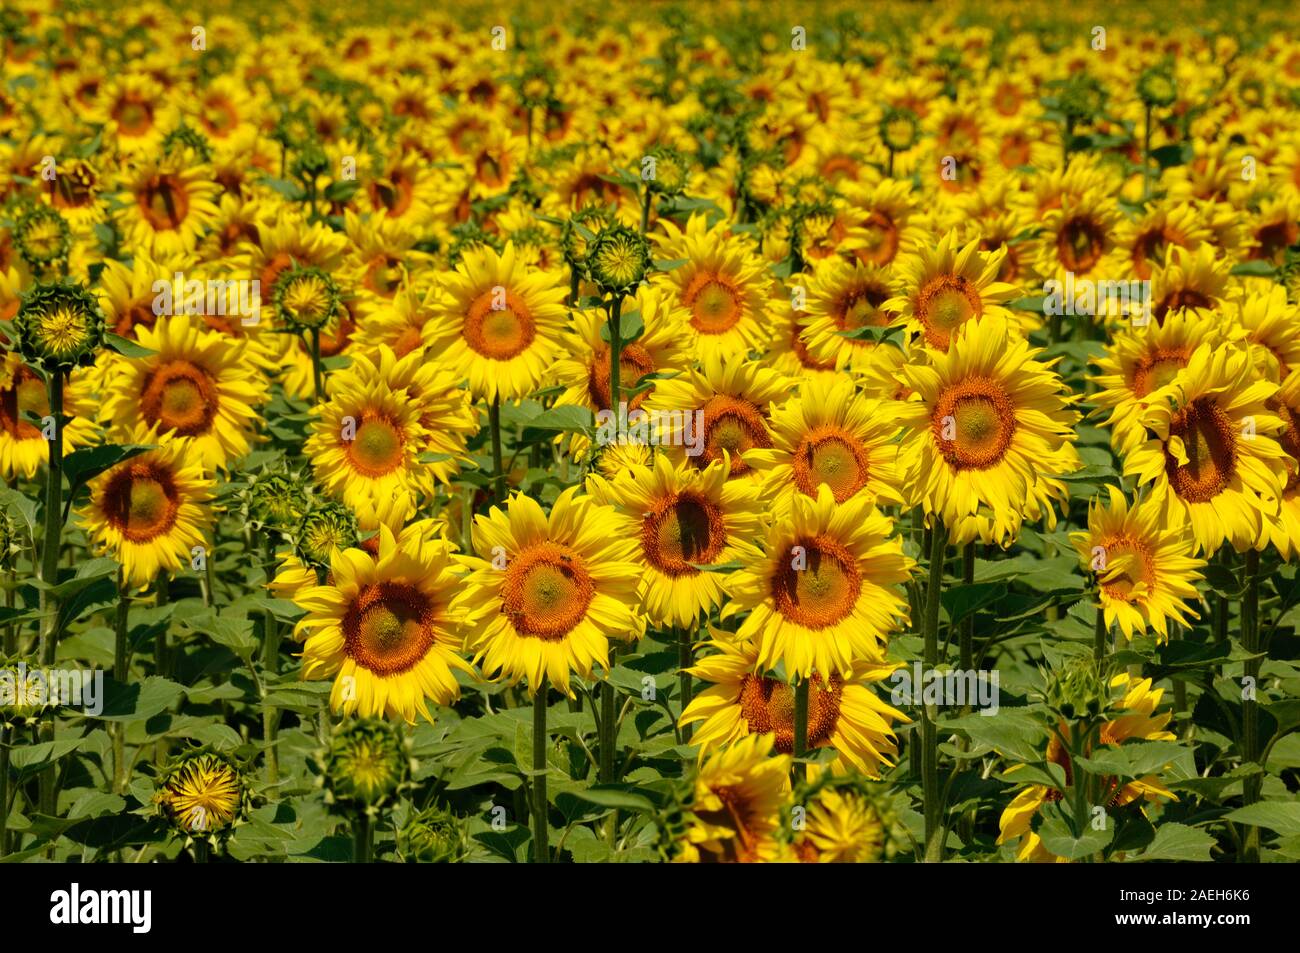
{"x": 685, "y": 659}
{"x": 1099, "y": 634}
{"x": 541, "y": 831}
{"x": 317, "y": 374}
{"x": 51, "y": 543}
{"x": 4, "y": 789}
{"x": 967, "y": 636}
{"x": 801, "y": 724}
{"x": 498, "y": 471}
{"x": 615, "y": 356}
{"x": 1146, "y": 155}
{"x": 202, "y": 851}
{"x": 933, "y": 806}
{"x": 363, "y": 838}
{"x": 270, "y": 665}
{"x": 1253, "y": 785}
{"x": 120, "y": 673}
{"x": 647, "y": 198}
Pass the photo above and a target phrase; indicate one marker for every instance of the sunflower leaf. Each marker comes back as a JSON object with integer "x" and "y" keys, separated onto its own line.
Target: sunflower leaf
{"x": 127, "y": 347}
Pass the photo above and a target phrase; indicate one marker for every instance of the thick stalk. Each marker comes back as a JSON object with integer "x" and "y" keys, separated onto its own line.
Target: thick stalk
{"x": 498, "y": 471}
{"x": 51, "y": 544}
{"x": 363, "y": 838}
{"x": 1253, "y": 785}
{"x": 608, "y": 716}
{"x": 4, "y": 791}
{"x": 317, "y": 375}
{"x": 270, "y": 665}
{"x": 645, "y": 210}
{"x": 801, "y": 724}
{"x": 120, "y": 674}
{"x": 967, "y": 638}
{"x": 541, "y": 832}
{"x": 929, "y": 713}
{"x": 1099, "y": 634}
{"x": 685, "y": 659}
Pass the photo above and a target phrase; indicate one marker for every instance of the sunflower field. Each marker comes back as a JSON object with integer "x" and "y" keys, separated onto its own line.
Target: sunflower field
{"x": 653, "y": 432}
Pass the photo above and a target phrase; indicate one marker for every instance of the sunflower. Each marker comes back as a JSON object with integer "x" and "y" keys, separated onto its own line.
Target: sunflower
{"x": 662, "y": 348}
{"x": 940, "y": 289}
{"x": 735, "y": 809}
{"x": 169, "y": 206}
{"x": 546, "y": 593}
{"x": 845, "y": 296}
{"x": 827, "y": 591}
{"x": 841, "y": 827}
{"x": 1192, "y": 280}
{"x": 988, "y": 417}
{"x": 1213, "y": 457}
{"x": 721, "y": 284}
{"x": 128, "y": 294}
{"x": 830, "y": 435}
{"x": 197, "y": 384}
{"x": 729, "y": 402}
{"x": 844, "y": 712}
{"x": 1145, "y": 570}
{"x": 366, "y": 443}
{"x": 1141, "y": 360}
{"x": 23, "y": 447}
{"x": 1272, "y": 326}
{"x": 497, "y": 324}
{"x": 1284, "y": 531}
{"x": 1146, "y": 240}
{"x": 884, "y": 223}
{"x": 384, "y": 628}
{"x": 149, "y": 512}
{"x": 1078, "y": 236}
{"x": 683, "y": 518}
{"x": 1135, "y": 718}
{"x": 404, "y": 324}
{"x": 203, "y": 793}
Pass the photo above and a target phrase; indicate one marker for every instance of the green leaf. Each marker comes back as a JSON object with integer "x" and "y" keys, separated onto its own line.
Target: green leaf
{"x": 1258, "y": 269}
{"x": 1134, "y": 760}
{"x": 82, "y": 466}
{"x": 962, "y": 601}
{"x": 630, "y": 327}
{"x": 1061, "y": 841}
{"x": 874, "y": 332}
{"x": 566, "y": 417}
{"x": 142, "y": 699}
{"x": 1279, "y": 816}
{"x": 127, "y": 347}
{"x": 1177, "y": 842}
{"x": 621, "y": 799}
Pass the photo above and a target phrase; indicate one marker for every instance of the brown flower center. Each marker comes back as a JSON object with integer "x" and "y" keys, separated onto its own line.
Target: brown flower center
{"x": 180, "y": 396}
{"x": 831, "y": 455}
{"x": 141, "y": 501}
{"x": 546, "y": 592}
{"x": 501, "y": 332}
{"x": 714, "y": 302}
{"x": 735, "y": 425}
{"x": 767, "y": 705}
{"x": 1211, "y": 447}
{"x": 973, "y": 423}
{"x": 388, "y": 628}
{"x": 944, "y": 304}
{"x": 818, "y": 584}
{"x": 683, "y": 530}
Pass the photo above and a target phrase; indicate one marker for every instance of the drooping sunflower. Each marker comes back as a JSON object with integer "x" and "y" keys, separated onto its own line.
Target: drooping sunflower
{"x": 846, "y": 296}
{"x": 497, "y": 324}
{"x": 149, "y": 512}
{"x": 1135, "y": 718}
{"x": 384, "y": 628}
{"x": 1213, "y": 457}
{"x": 1139, "y": 361}
{"x": 940, "y": 289}
{"x": 1145, "y": 570}
{"x": 547, "y": 592}
{"x": 198, "y": 384}
{"x": 722, "y": 285}
{"x": 827, "y": 591}
{"x": 683, "y": 518}
{"x": 728, "y": 403}
{"x": 844, "y": 712}
{"x": 735, "y": 809}
{"x": 988, "y": 417}
{"x": 830, "y": 435}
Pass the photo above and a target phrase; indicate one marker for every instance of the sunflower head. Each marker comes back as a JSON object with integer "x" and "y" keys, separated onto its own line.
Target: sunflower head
{"x": 670, "y": 171}
{"x": 307, "y": 298}
{"x": 535, "y": 85}
{"x": 43, "y": 238}
{"x": 328, "y": 526}
{"x": 1081, "y": 97}
{"x": 844, "y": 819}
{"x": 470, "y": 236}
{"x": 1078, "y": 688}
{"x": 579, "y": 232}
{"x": 433, "y": 836}
{"x": 277, "y": 499}
{"x": 186, "y": 138}
{"x": 59, "y": 326}
{"x": 1156, "y": 87}
{"x": 618, "y": 259}
{"x": 203, "y": 794}
{"x": 899, "y": 128}
{"x": 367, "y": 763}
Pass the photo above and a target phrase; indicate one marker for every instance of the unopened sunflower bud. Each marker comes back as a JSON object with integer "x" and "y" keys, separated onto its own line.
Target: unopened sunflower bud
{"x": 59, "y": 326}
